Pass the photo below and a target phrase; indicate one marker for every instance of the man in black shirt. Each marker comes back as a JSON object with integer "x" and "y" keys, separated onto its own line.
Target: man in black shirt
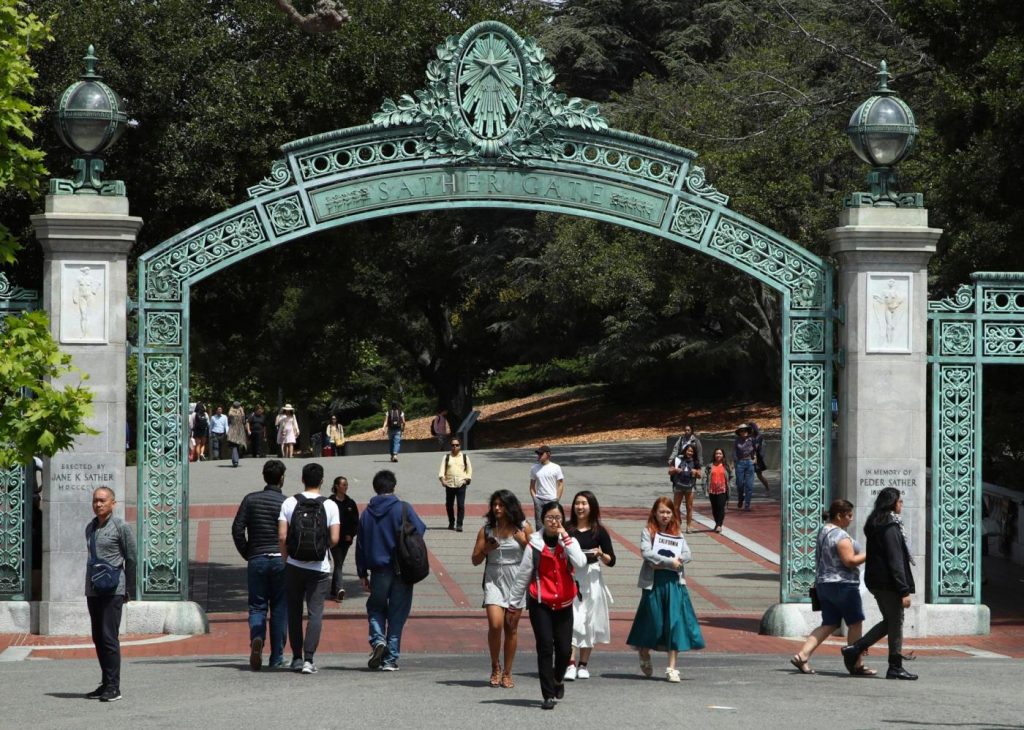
{"x": 254, "y": 532}
{"x": 257, "y": 427}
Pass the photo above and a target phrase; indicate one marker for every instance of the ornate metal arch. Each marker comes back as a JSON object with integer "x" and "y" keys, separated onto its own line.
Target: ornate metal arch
{"x": 487, "y": 131}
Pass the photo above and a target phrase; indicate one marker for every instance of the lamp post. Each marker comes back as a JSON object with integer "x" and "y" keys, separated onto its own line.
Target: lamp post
{"x": 882, "y": 131}
{"x": 90, "y": 118}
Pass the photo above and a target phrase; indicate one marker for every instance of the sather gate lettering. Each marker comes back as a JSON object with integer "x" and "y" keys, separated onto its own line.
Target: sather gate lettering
{"x": 487, "y": 131}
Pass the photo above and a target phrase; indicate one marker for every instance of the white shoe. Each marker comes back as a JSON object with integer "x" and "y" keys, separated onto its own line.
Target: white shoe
{"x": 672, "y": 675}
{"x": 582, "y": 673}
{"x": 570, "y": 673}
{"x": 308, "y": 668}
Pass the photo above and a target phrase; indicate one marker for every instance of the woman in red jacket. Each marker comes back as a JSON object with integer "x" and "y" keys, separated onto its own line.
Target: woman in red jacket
{"x": 546, "y": 584}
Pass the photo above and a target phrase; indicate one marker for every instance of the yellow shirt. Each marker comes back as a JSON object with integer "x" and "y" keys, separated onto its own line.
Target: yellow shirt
{"x": 455, "y": 470}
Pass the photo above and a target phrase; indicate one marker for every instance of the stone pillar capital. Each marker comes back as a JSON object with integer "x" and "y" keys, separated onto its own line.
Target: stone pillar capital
{"x": 86, "y": 224}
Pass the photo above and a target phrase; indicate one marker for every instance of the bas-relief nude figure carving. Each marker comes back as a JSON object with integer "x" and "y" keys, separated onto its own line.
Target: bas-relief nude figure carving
{"x": 890, "y": 302}
{"x": 86, "y": 290}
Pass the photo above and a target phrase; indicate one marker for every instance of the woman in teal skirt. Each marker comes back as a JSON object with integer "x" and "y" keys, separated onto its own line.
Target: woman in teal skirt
{"x": 665, "y": 619}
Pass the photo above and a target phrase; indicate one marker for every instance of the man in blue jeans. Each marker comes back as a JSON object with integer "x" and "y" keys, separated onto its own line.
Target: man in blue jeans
{"x": 745, "y": 453}
{"x": 255, "y": 534}
{"x": 390, "y": 599}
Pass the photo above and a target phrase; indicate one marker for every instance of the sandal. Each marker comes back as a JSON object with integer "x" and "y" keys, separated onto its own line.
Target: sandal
{"x": 496, "y": 675}
{"x": 645, "y": 665}
{"x": 861, "y": 671}
{"x": 802, "y": 665}
{"x": 506, "y": 681}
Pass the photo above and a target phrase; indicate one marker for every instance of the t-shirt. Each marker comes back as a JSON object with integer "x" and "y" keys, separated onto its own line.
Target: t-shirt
{"x": 546, "y": 476}
{"x": 333, "y": 518}
{"x": 830, "y": 566}
{"x": 718, "y": 482}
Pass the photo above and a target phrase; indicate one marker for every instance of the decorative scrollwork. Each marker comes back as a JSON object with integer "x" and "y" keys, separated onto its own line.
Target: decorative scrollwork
{"x": 806, "y": 467}
{"x": 783, "y": 264}
{"x": 286, "y": 215}
{"x": 959, "y": 302}
{"x": 1002, "y": 301}
{"x": 168, "y": 271}
{"x": 689, "y": 221}
{"x": 1003, "y": 340}
{"x": 954, "y": 497}
{"x": 161, "y": 498}
{"x": 618, "y": 159}
{"x": 13, "y": 537}
{"x": 489, "y": 96}
{"x": 696, "y": 184}
{"x": 163, "y": 329}
{"x": 956, "y": 338}
{"x": 280, "y": 176}
{"x": 807, "y": 336}
{"x": 12, "y": 296}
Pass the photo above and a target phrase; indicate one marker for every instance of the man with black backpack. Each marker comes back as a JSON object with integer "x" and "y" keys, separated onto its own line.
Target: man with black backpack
{"x": 394, "y": 424}
{"x": 308, "y": 526}
{"x": 390, "y": 557}
{"x": 455, "y": 475}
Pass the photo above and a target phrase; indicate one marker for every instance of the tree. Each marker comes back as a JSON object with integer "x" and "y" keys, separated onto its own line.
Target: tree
{"x": 35, "y": 417}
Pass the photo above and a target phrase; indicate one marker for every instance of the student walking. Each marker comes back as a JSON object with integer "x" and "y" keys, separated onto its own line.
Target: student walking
{"x": 887, "y": 574}
{"x": 390, "y": 601}
{"x": 665, "y": 619}
{"x": 745, "y": 453}
{"x": 307, "y": 527}
{"x": 685, "y": 471}
{"x": 719, "y": 480}
{"x": 349, "y": 512}
{"x": 837, "y": 583}
{"x": 545, "y": 584}
{"x": 394, "y": 424}
{"x": 500, "y": 543}
{"x": 546, "y": 482}
{"x": 592, "y": 609}
{"x": 455, "y": 475}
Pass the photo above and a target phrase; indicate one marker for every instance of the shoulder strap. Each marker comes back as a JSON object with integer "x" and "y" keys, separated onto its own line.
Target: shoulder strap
{"x": 465, "y": 462}
{"x": 446, "y": 461}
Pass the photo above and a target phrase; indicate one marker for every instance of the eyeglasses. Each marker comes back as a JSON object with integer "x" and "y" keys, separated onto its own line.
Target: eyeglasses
{"x": 455, "y": 446}
{"x": 553, "y": 518}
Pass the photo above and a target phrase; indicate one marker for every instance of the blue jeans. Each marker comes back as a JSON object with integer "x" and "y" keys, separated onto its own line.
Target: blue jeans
{"x": 387, "y": 609}
{"x": 395, "y": 437}
{"x": 744, "y": 481}
{"x": 266, "y": 590}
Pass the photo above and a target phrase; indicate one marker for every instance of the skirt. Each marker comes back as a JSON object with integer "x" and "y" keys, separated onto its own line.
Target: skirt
{"x": 665, "y": 619}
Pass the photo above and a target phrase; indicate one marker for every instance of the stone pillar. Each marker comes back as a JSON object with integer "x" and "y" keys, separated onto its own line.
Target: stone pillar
{"x": 883, "y": 255}
{"x": 86, "y": 240}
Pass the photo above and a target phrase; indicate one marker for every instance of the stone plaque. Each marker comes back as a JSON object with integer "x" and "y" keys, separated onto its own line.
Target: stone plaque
{"x": 888, "y": 302}
{"x": 84, "y": 300}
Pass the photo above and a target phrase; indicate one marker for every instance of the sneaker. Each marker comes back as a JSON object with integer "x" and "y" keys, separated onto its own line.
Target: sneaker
{"x": 376, "y": 655}
{"x": 276, "y": 663}
{"x": 110, "y": 695}
{"x": 583, "y": 673}
{"x": 570, "y": 673}
{"x": 96, "y": 693}
{"x": 308, "y": 668}
{"x": 548, "y": 704}
{"x": 389, "y": 668}
{"x": 458, "y": 528}
{"x": 341, "y": 595}
{"x": 672, "y": 675}
{"x": 256, "y": 654}
{"x": 297, "y": 664}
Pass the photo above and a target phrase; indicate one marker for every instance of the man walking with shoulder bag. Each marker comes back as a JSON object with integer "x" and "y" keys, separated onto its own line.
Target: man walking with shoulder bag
{"x": 455, "y": 475}
{"x": 308, "y": 526}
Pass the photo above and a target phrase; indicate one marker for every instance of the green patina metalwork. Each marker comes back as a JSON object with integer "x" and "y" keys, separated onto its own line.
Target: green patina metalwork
{"x": 488, "y": 131}
{"x": 982, "y": 323}
{"x": 15, "y": 486}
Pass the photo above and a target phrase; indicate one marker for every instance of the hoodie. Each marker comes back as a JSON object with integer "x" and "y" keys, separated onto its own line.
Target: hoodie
{"x": 378, "y": 532}
{"x": 524, "y": 575}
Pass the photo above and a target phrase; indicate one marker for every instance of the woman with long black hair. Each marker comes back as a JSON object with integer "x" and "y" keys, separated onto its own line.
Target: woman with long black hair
{"x": 546, "y": 584}
{"x": 500, "y": 544}
{"x": 888, "y": 576}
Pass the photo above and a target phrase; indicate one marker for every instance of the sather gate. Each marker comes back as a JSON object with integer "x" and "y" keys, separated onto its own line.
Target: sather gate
{"x": 487, "y": 131}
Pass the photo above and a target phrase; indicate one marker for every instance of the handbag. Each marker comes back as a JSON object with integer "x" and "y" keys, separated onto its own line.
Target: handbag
{"x": 815, "y": 603}
{"x": 103, "y": 577}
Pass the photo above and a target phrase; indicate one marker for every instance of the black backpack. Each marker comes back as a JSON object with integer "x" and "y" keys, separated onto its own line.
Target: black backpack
{"x": 412, "y": 562}
{"x": 394, "y": 418}
{"x": 465, "y": 464}
{"x": 307, "y": 530}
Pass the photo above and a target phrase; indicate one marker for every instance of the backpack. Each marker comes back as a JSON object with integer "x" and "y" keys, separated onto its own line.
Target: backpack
{"x": 201, "y": 417}
{"x": 307, "y": 529}
{"x": 412, "y": 562}
{"x": 394, "y": 418}
{"x": 464, "y": 461}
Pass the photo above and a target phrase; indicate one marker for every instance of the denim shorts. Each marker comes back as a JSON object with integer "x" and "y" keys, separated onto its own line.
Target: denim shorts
{"x": 840, "y": 602}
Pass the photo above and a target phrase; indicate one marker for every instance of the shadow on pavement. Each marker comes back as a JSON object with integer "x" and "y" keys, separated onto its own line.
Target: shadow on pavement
{"x": 68, "y": 695}
{"x": 512, "y": 702}
{"x": 771, "y": 577}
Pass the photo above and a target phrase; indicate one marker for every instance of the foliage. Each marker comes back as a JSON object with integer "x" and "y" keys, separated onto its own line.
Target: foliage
{"x": 36, "y": 418}
{"x": 525, "y": 379}
{"x": 21, "y": 163}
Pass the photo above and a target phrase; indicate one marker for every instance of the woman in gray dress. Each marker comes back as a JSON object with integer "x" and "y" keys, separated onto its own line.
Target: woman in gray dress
{"x": 500, "y": 543}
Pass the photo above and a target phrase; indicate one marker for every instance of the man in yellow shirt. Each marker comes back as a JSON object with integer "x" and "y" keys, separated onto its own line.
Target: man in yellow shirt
{"x": 455, "y": 475}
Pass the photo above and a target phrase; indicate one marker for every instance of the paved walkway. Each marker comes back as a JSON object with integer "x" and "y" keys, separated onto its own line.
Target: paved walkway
{"x": 733, "y": 578}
